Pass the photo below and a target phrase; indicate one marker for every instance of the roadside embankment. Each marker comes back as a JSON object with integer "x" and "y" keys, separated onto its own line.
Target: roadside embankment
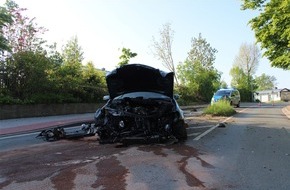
{"x": 41, "y": 110}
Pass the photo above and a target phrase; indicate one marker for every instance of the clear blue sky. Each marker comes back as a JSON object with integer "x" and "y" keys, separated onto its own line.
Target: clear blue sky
{"x": 103, "y": 27}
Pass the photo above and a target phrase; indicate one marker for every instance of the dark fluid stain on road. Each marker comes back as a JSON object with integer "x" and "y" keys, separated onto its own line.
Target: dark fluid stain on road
{"x": 157, "y": 150}
{"x": 191, "y": 180}
{"x": 22, "y": 166}
{"x": 187, "y": 152}
{"x": 5, "y": 183}
{"x": 115, "y": 170}
{"x": 64, "y": 180}
{"x": 37, "y": 163}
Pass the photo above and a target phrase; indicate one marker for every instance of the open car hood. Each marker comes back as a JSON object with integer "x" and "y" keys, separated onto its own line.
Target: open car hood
{"x": 138, "y": 77}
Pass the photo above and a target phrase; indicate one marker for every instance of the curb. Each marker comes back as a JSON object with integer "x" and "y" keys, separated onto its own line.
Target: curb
{"x": 286, "y": 111}
{"x": 41, "y": 126}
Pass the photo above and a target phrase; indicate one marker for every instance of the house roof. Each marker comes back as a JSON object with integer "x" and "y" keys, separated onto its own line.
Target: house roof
{"x": 272, "y": 91}
{"x": 285, "y": 90}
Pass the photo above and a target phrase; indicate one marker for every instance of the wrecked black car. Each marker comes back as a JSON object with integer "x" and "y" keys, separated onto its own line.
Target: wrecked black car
{"x": 140, "y": 107}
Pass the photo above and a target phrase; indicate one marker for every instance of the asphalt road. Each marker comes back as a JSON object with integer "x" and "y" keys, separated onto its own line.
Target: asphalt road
{"x": 251, "y": 152}
{"x": 17, "y": 141}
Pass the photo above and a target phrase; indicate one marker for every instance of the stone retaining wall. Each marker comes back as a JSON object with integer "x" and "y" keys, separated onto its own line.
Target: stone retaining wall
{"x": 20, "y": 111}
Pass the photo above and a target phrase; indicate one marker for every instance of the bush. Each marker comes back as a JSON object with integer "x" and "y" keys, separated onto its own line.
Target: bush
{"x": 6, "y": 100}
{"x": 50, "y": 98}
{"x": 182, "y": 102}
{"x": 220, "y": 108}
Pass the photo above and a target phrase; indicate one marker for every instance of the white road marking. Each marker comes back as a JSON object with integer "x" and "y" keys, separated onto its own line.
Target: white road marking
{"x": 212, "y": 128}
{"x": 199, "y": 127}
{"x": 20, "y": 135}
{"x": 192, "y": 134}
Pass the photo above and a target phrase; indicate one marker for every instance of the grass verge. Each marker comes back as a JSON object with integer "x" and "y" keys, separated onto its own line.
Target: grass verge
{"x": 220, "y": 108}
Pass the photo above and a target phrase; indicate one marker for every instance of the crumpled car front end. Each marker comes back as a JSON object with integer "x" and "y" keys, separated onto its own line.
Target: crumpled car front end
{"x": 137, "y": 113}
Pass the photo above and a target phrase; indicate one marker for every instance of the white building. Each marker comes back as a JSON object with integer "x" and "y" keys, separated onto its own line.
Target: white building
{"x": 272, "y": 95}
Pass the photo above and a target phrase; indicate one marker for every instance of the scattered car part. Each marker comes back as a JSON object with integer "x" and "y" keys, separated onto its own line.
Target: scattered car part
{"x": 64, "y": 133}
{"x": 221, "y": 125}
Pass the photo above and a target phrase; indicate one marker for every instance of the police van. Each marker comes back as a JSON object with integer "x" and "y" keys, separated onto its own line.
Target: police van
{"x": 230, "y": 94}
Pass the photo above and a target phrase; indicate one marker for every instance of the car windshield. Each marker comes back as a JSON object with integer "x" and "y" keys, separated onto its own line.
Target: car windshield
{"x": 222, "y": 93}
{"x": 145, "y": 95}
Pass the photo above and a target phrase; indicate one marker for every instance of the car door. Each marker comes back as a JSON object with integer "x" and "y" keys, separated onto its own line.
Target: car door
{"x": 234, "y": 98}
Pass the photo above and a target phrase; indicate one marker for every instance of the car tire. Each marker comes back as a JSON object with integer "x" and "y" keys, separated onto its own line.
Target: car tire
{"x": 238, "y": 105}
{"x": 179, "y": 131}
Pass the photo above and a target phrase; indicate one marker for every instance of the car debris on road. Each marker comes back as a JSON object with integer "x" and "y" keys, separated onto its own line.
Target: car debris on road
{"x": 58, "y": 133}
{"x": 140, "y": 108}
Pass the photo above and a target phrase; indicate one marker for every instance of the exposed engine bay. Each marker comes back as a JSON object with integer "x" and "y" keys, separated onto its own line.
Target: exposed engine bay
{"x": 138, "y": 120}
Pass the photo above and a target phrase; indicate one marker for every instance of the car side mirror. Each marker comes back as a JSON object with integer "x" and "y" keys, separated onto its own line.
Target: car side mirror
{"x": 176, "y": 96}
{"x": 106, "y": 97}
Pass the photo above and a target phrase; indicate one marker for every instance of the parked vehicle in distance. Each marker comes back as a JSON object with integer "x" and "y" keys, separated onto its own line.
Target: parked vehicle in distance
{"x": 230, "y": 94}
{"x": 140, "y": 107}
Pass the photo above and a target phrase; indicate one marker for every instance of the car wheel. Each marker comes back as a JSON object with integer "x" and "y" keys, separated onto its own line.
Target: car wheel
{"x": 179, "y": 131}
{"x": 238, "y": 105}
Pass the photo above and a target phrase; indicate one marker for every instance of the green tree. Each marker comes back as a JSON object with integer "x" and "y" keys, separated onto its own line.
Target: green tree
{"x": 197, "y": 73}
{"x": 94, "y": 84}
{"x": 25, "y": 75}
{"x": 5, "y": 19}
{"x": 202, "y": 52}
{"x": 24, "y": 68}
{"x": 272, "y": 29}
{"x": 126, "y": 56}
{"x": 69, "y": 74}
{"x": 34, "y": 73}
{"x": 239, "y": 78}
{"x": 265, "y": 82}
{"x": 72, "y": 54}
{"x": 240, "y": 81}
{"x": 54, "y": 55}
{"x": 224, "y": 84}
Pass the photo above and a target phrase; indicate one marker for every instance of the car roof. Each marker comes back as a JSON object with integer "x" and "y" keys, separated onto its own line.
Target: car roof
{"x": 228, "y": 89}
